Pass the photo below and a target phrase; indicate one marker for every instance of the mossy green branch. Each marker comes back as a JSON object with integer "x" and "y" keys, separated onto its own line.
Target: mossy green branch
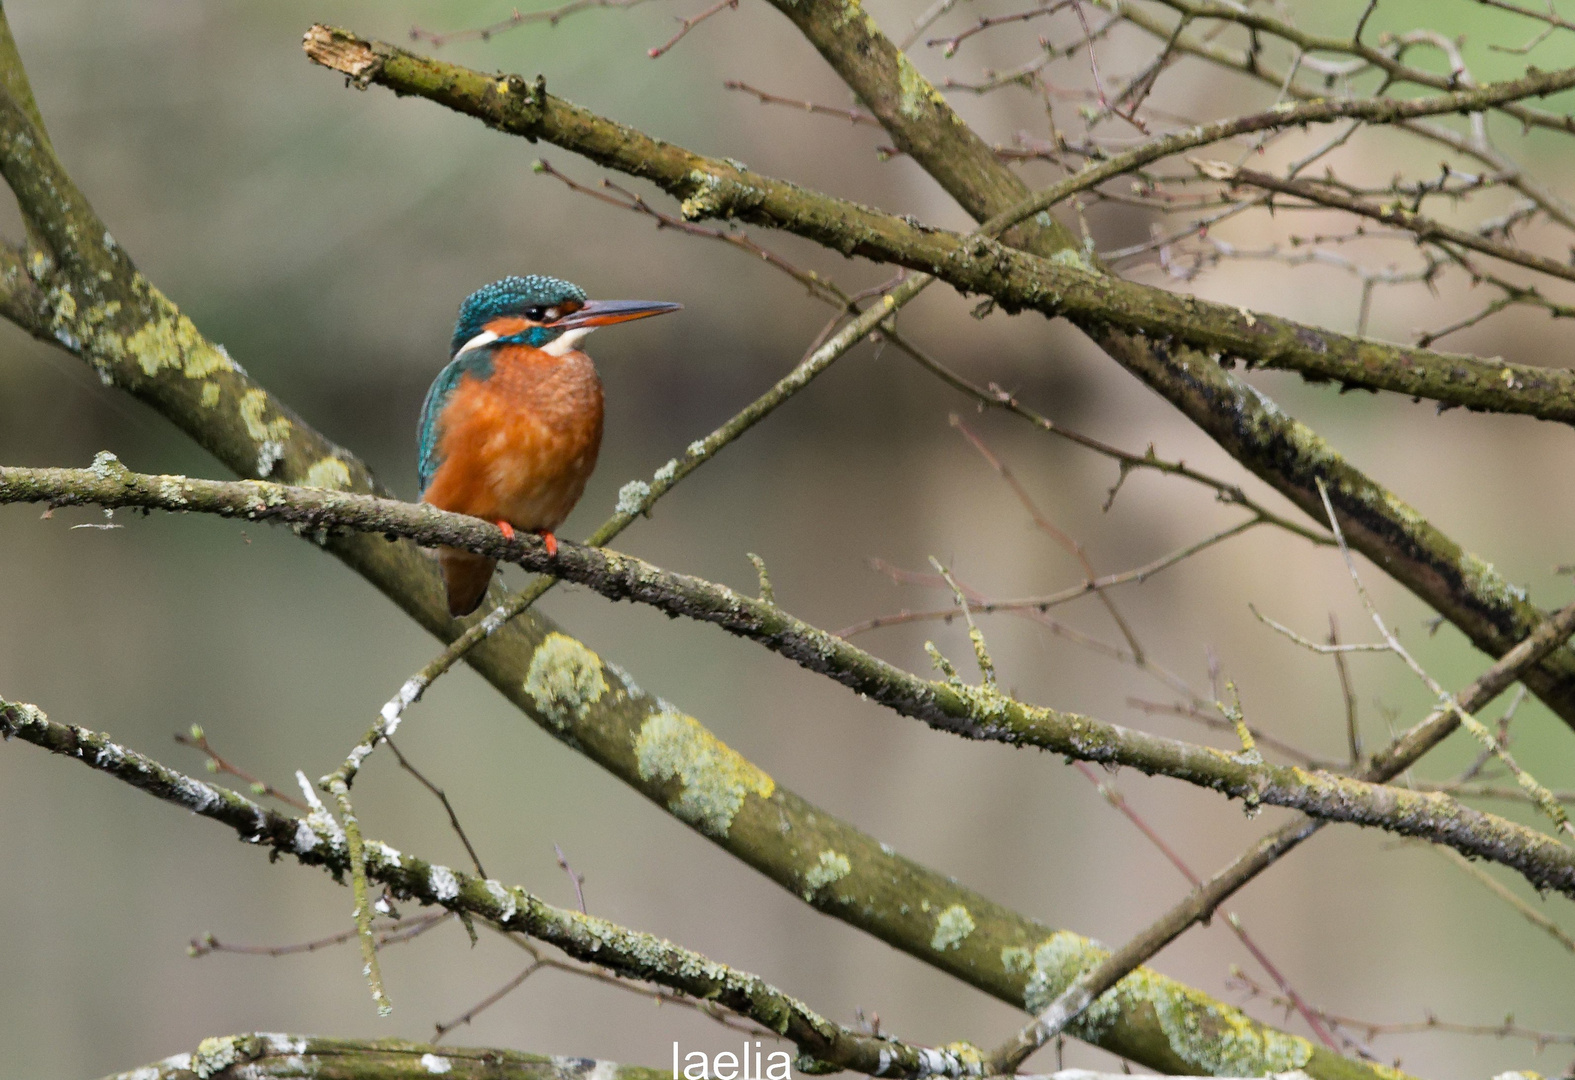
{"x": 669, "y": 756}
{"x": 1158, "y": 1020}
{"x": 626, "y": 952}
{"x": 1017, "y": 279}
{"x": 1463, "y": 587}
{"x": 676, "y": 762}
{"x": 949, "y": 705}
{"x": 272, "y": 1056}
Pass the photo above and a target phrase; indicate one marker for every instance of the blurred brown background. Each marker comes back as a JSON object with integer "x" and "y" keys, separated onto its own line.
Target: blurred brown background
{"x": 326, "y": 237}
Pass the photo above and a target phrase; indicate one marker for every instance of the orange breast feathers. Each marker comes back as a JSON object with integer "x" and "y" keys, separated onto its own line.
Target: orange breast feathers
{"x": 519, "y": 446}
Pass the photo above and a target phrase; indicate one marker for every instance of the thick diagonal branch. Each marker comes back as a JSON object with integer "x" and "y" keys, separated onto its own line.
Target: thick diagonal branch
{"x": 317, "y": 841}
{"x": 1461, "y": 586}
{"x": 981, "y": 712}
{"x": 1017, "y": 279}
{"x": 661, "y": 752}
{"x": 271, "y": 1056}
{"x": 1388, "y": 763}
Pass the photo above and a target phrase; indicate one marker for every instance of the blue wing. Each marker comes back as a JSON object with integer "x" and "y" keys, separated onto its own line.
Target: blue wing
{"x": 477, "y": 362}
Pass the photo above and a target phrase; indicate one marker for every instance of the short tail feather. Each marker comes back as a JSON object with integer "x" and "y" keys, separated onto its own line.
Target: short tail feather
{"x": 467, "y": 576}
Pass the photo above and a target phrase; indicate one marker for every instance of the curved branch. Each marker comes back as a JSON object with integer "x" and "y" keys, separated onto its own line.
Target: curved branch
{"x": 1463, "y": 587}
{"x": 981, "y": 712}
{"x": 1378, "y": 58}
{"x": 1285, "y": 453}
{"x": 672, "y": 759}
{"x": 269, "y": 1056}
{"x": 317, "y": 840}
{"x": 1018, "y": 280}
{"x": 1424, "y": 228}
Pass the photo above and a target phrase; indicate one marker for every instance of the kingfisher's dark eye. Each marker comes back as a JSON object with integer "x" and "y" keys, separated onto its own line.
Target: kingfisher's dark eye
{"x": 536, "y": 314}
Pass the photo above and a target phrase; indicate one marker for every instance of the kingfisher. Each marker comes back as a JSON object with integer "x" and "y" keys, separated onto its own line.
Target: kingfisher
{"x": 512, "y": 425}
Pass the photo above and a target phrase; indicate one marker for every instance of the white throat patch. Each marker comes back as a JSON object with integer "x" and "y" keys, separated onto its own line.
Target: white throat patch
{"x": 486, "y": 337}
{"x": 566, "y": 342}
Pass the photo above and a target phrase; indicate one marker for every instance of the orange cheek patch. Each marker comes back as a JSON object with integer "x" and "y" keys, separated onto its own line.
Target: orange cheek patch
{"x": 508, "y": 325}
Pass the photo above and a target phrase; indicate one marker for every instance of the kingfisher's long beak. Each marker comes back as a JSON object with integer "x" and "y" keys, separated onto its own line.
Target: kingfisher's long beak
{"x": 606, "y": 312}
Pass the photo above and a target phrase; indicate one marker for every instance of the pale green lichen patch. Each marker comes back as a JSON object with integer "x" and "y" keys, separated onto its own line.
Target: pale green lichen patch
{"x": 215, "y": 1055}
{"x": 952, "y": 926}
{"x": 714, "y": 778}
{"x": 919, "y": 95}
{"x": 966, "y": 1054}
{"x": 1215, "y": 1038}
{"x": 565, "y": 679}
{"x": 1209, "y": 1036}
{"x": 1015, "y": 959}
{"x": 254, "y": 409}
{"x": 830, "y": 867}
{"x": 632, "y": 496}
{"x": 329, "y": 473}
{"x": 210, "y": 394}
{"x": 1073, "y": 259}
{"x": 172, "y": 341}
{"x": 270, "y": 435}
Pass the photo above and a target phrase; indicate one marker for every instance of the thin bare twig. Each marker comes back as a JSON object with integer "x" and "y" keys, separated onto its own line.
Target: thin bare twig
{"x": 1115, "y": 798}
{"x": 197, "y": 739}
{"x": 485, "y": 33}
{"x": 442, "y": 797}
{"x": 1353, "y": 734}
{"x": 950, "y": 44}
{"x": 1044, "y": 603}
{"x": 851, "y": 115}
{"x": 688, "y": 24}
{"x": 576, "y": 878}
{"x": 391, "y": 932}
{"x": 1508, "y": 1029}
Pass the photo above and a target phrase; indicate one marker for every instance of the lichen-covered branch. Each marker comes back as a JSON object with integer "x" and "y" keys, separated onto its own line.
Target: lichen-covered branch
{"x": 1017, "y": 279}
{"x": 1285, "y": 453}
{"x": 1106, "y": 973}
{"x": 674, "y": 760}
{"x": 1464, "y": 588}
{"x": 316, "y": 840}
{"x": 981, "y": 712}
{"x": 273, "y": 1056}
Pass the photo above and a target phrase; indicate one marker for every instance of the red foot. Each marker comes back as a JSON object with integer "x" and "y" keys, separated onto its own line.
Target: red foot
{"x": 549, "y": 541}
{"x": 506, "y": 529}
